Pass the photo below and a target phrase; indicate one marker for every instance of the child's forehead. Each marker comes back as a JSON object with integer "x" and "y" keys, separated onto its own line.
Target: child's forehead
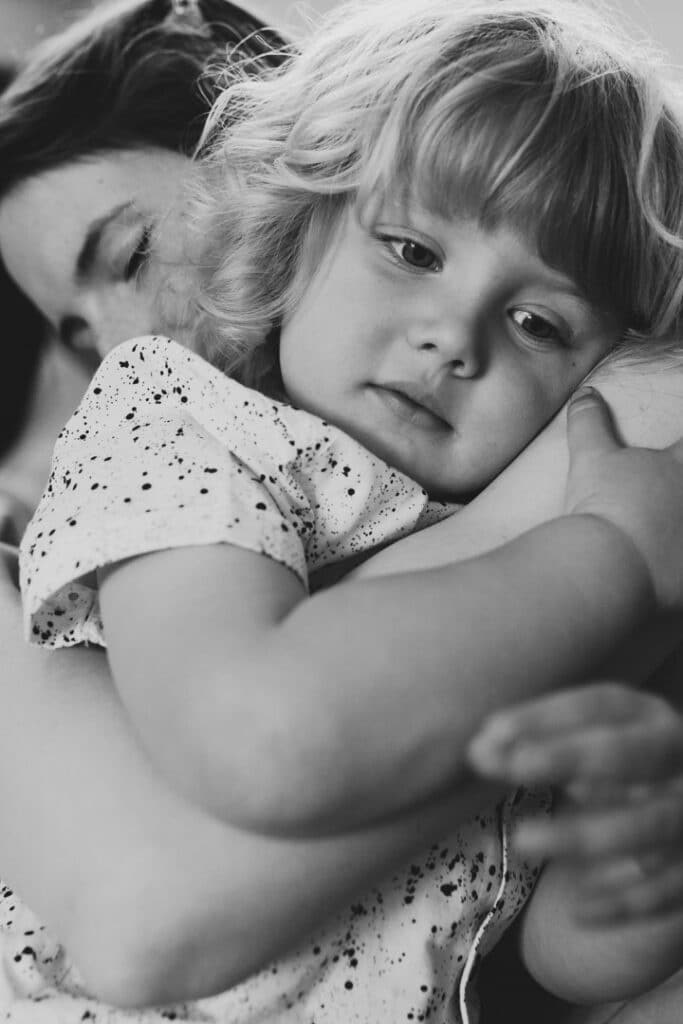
{"x": 537, "y": 207}
{"x": 456, "y": 235}
{"x": 461, "y": 227}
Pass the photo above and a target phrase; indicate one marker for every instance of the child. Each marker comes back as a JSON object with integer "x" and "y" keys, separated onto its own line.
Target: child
{"x": 374, "y": 274}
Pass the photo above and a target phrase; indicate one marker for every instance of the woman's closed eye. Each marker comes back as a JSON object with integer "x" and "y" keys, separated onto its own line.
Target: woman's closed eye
{"x": 537, "y": 328}
{"x": 140, "y": 254}
{"x": 411, "y": 253}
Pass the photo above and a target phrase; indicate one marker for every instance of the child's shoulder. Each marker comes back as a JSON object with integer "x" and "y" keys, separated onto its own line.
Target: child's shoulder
{"x": 155, "y": 361}
{"x": 156, "y": 373}
{"x": 153, "y": 380}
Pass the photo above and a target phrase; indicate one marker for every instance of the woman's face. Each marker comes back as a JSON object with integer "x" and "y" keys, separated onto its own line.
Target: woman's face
{"x": 97, "y": 245}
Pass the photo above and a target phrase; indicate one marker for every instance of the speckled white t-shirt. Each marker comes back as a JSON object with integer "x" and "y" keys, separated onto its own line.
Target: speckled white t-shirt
{"x": 405, "y": 951}
{"x": 166, "y": 451}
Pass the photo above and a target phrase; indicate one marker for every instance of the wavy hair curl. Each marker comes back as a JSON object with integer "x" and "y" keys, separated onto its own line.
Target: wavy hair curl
{"x": 540, "y": 116}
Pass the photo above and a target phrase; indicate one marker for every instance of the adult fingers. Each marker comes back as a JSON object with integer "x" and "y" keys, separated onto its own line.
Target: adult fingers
{"x": 637, "y": 754}
{"x": 585, "y": 832}
{"x": 618, "y": 890}
{"x": 561, "y": 732}
{"x": 557, "y": 712}
{"x": 590, "y": 425}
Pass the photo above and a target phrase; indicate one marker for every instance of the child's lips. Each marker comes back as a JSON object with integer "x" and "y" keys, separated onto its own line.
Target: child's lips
{"x": 413, "y": 404}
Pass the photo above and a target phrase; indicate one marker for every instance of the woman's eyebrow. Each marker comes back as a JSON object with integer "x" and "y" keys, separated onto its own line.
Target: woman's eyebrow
{"x": 86, "y": 257}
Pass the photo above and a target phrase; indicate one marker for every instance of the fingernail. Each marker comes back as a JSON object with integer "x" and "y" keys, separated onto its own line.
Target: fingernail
{"x": 493, "y": 740}
{"x": 498, "y": 726}
{"x": 584, "y": 394}
{"x": 528, "y": 763}
{"x": 482, "y": 755}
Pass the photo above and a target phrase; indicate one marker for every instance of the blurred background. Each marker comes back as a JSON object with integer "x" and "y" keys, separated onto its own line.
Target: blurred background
{"x": 23, "y": 22}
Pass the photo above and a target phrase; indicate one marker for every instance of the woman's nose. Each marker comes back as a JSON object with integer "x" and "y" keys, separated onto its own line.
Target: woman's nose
{"x": 79, "y": 335}
{"x": 102, "y": 322}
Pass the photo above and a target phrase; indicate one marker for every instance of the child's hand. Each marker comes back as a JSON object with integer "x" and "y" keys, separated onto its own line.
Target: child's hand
{"x": 638, "y": 490}
{"x": 617, "y": 756}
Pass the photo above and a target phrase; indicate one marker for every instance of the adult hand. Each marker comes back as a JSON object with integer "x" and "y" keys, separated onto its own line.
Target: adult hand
{"x": 638, "y": 490}
{"x": 616, "y": 755}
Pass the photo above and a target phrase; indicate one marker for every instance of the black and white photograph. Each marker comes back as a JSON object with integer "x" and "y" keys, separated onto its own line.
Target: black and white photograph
{"x": 341, "y": 512}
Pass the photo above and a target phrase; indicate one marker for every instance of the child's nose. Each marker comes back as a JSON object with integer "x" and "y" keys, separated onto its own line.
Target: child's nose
{"x": 457, "y": 346}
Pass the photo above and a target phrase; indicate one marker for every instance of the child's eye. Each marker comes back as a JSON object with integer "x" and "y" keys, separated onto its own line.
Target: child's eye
{"x": 536, "y": 326}
{"x": 414, "y": 254}
{"x": 140, "y": 254}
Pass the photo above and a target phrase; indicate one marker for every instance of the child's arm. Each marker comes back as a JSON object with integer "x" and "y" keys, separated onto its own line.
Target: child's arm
{"x": 282, "y": 713}
{"x": 95, "y": 842}
{"x": 85, "y": 777}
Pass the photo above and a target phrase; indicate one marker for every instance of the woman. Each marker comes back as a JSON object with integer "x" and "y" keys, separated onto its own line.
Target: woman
{"x": 95, "y": 88}
{"x": 112, "y": 905}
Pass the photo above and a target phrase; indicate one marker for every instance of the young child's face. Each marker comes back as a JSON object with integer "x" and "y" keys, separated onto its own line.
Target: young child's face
{"x": 441, "y": 347}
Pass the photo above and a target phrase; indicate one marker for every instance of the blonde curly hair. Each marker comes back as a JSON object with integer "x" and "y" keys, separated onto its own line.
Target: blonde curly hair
{"x": 539, "y": 116}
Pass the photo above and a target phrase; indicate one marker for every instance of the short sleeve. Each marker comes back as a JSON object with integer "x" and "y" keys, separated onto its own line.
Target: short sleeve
{"x": 140, "y": 467}
{"x": 166, "y": 451}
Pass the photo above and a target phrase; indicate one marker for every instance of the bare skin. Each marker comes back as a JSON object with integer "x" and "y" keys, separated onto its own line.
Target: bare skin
{"x": 120, "y": 788}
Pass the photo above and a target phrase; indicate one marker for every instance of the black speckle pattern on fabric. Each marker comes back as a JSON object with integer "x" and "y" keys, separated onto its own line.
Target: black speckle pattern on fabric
{"x": 166, "y": 451}
{"x": 407, "y": 950}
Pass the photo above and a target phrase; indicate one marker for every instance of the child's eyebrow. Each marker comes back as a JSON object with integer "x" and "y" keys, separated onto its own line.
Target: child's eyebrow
{"x": 86, "y": 257}
{"x": 559, "y": 281}
{"x": 581, "y": 299}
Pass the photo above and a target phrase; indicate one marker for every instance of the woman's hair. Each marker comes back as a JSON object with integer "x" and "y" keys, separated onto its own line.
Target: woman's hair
{"x": 130, "y": 75}
{"x": 536, "y": 116}
{"x": 25, "y": 335}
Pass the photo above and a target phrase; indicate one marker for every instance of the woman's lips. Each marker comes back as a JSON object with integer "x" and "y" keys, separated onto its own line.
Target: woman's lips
{"x": 412, "y": 405}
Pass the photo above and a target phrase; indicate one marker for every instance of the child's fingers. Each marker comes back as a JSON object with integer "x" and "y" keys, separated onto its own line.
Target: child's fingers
{"x": 587, "y": 833}
{"x": 620, "y": 889}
